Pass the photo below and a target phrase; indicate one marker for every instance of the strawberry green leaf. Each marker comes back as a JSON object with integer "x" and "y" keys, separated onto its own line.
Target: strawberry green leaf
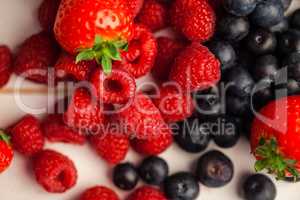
{"x": 98, "y": 40}
{"x": 4, "y": 137}
{"x": 106, "y": 64}
{"x": 85, "y": 55}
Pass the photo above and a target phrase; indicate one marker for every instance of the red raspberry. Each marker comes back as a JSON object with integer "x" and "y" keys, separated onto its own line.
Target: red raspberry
{"x": 174, "y": 104}
{"x": 6, "y": 152}
{"x": 54, "y": 171}
{"x": 47, "y": 14}
{"x": 5, "y": 64}
{"x": 140, "y": 57}
{"x": 117, "y": 87}
{"x": 196, "y": 68}
{"x": 27, "y": 136}
{"x": 135, "y": 6}
{"x": 168, "y": 49}
{"x": 35, "y": 56}
{"x": 153, "y": 15}
{"x": 55, "y": 130}
{"x": 194, "y": 18}
{"x": 147, "y": 193}
{"x": 84, "y": 112}
{"x": 66, "y": 67}
{"x": 99, "y": 193}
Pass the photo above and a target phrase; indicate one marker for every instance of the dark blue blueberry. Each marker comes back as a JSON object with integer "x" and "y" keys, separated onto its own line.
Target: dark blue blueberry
{"x": 280, "y": 27}
{"x": 125, "y": 176}
{"x": 295, "y": 19}
{"x": 245, "y": 58}
{"x": 240, "y": 7}
{"x": 293, "y": 87}
{"x": 208, "y": 102}
{"x": 237, "y": 106}
{"x": 214, "y": 169}
{"x": 292, "y": 62}
{"x": 265, "y": 67}
{"x": 263, "y": 92}
{"x": 289, "y": 41}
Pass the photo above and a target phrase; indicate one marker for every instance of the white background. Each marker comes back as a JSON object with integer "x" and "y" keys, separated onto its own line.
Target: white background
{"x": 18, "y": 20}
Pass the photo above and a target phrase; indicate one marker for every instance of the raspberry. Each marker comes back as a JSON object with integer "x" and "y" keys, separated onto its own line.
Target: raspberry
{"x": 54, "y": 171}
{"x": 147, "y": 193}
{"x": 135, "y": 6}
{"x": 99, "y": 193}
{"x": 27, "y": 136}
{"x": 47, "y": 14}
{"x": 5, "y": 64}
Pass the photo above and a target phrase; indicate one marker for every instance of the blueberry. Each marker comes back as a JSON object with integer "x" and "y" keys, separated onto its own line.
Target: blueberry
{"x": 292, "y": 62}
{"x": 295, "y": 19}
{"x": 214, "y": 169}
{"x": 286, "y": 4}
{"x": 280, "y": 27}
{"x": 240, "y": 7}
{"x": 238, "y": 81}
{"x": 267, "y": 13}
{"x": 229, "y": 131}
{"x": 208, "y": 102}
{"x": 289, "y": 41}
{"x": 181, "y": 186}
{"x": 153, "y": 170}
{"x": 233, "y": 28}
{"x": 237, "y": 106}
{"x": 259, "y": 187}
{"x": 263, "y": 92}
{"x": 293, "y": 87}
{"x": 125, "y": 176}
{"x": 245, "y": 58}
{"x": 265, "y": 67}
{"x": 193, "y": 135}
{"x": 224, "y": 52}
{"x": 261, "y": 41}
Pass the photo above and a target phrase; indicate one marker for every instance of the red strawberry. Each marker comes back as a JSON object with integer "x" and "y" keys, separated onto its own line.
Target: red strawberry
{"x": 84, "y": 112}
{"x": 174, "y": 104}
{"x": 147, "y": 193}
{"x": 5, "y": 64}
{"x": 135, "y": 6}
{"x": 141, "y": 54}
{"x": 154, "y": 15}
{"x": 196, "y": 68}
{"x": 55, "y": 130}
{"x": 275, "y": 138}
{"x": 154, "y": 146}
{"x": 47, "y": 14}
{"x": 168, "y": 49}
{"x": 194, "y": 18}
{"x": 6, "y": 152}
{"x": 96, "y": 29}
{"x": 99, "y": 193}
{"x": 35, "y": 56}
{"x": 66, "y": 67}
{"x": 55, "y": 172}
{"x": 27, "y": 136}
{"x": 118, "y": 87}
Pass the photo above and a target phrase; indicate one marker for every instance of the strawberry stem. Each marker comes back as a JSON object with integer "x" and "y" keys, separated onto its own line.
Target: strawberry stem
{"x": 4, "y": 137}
{"x": 273, "y": 161}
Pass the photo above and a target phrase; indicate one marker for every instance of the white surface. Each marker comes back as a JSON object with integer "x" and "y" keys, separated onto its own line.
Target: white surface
{"x": 17, "y": 22}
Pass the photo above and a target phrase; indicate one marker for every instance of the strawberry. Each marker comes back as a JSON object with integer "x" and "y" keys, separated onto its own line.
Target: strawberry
{"x": 118, "y": 87}
{"x": 196, "y": 68}
{"x": 147, "y": 193}
{"x": 153, "y": 15}
{"x": 96, "y": 29}
{"x": 6, "y": 152}
{"x": 141, "y": 54}
{"x": 5, "y": 64}
{"x": 55, "y": 130}
{"x": 275, "y": 138}
{"x": 135, "y": 6}
{"x": 194, "y": 18}
{"x": 35, "y": 56}
{"x": 99, "y": 193}
{"x": 66, "y": 67}
{"x": 174, "y": 104}
{"x": 55, "y": 172}
{"x": 27, "y": 136}
{"x": 168, "y": 49}
{"x": 47, "y": 14}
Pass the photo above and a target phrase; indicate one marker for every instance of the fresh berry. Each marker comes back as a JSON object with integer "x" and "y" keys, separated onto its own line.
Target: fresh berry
{"x": 208, "y": 102}
{"x": 237, "y": 106}
{"x": 295, "y": 19}
{"x": 280, "y": 27}
{"x": 153, "y": 170}
{"x": 135, "y": 6}
{"x": 265, "y": 67}
{"x": 141, "y": 54}
{"x": 174, "y": 104}
{"x": 54, "y": 171}
{"x": 196, "y": 19}
{"x": 47, "y": 14}
{"x": 168, "y": 49}
{"x": 286, "y": 4}
{"x": 35, "y": 56}
{"x": 66, "y": 67}
{"x": 5, "y": 65}
{"x": 182, "y": 185}
{"x": 27, "y": 136}
{"x": 240, "y": 7}
{"x": 289, "y": 41}
{"x": 55, "y": 130}
{"x": 214, "y": 169}
{"x": 99, "y": 193}
{"x": 6, "y": 152}
{"x": 125, "y": 176}
{"x": 147, "y": 193}
{"x": 292, "y": 62}
{"x": 274, "y": 138}
{"x": 196, "y": 68}
{"x": 117, "y": 87}
{"x": 153, "y": 15}
{"x": 259, "y": 187}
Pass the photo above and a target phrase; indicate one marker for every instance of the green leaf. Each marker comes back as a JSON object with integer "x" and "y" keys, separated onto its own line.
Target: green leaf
{"x": 98, "y": 40}
{"x": 85, "y": 55}
{"x": 106, "y": 64}
{"x": 114, "y": 52}
{"x": 260, "y": 165}
{"x": 4, "y": 137}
